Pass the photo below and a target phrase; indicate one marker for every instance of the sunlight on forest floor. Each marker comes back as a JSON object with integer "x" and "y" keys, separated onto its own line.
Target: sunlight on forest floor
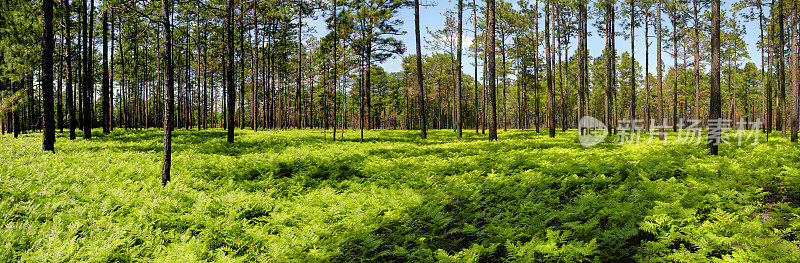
{"x": 294, "y": 195}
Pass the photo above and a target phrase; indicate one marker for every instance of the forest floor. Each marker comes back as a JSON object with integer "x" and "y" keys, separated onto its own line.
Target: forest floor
{"x": 282, "y": 196}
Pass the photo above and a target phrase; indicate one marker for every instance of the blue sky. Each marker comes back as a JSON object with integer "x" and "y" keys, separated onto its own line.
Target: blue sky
{"x": 432, "y": 18}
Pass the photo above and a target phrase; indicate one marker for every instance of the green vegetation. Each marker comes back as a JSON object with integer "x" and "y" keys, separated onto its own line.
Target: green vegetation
{"x": 293, "y": 196}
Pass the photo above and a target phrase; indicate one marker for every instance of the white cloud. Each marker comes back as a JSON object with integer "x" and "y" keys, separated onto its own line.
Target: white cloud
{"x": 466, "y": 41}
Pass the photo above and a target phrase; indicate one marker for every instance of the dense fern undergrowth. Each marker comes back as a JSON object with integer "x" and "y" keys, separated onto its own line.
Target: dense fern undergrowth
{"x": 295, "y": 196}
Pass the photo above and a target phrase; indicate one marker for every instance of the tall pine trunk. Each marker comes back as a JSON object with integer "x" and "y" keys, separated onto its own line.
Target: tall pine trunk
{"x": 299, "y": 88}
{"x": 715, "y": 111}
{"x": 86, "y": 121}
{"x": 168, "y": 104}
{"x": 48, "y": 43}
{"x": 420, "y": 78}
{"x": 659, "y": 71}
{"x": 231, "y": 92}
{"x": 795, "y": 77}
{"x": 633, "y": 61}
{"x": 551, "y": 115}
{"x": 492, "y": 92}
{"x": 459, "y": 122}
{"x": 475, "y": 36}
{"x": 609, "y": 76}
{"x": 70, "y": 92}
{"x": 696, "y": 65}
{"x": 780, "y": 116}
{"x": 105, "y": 87}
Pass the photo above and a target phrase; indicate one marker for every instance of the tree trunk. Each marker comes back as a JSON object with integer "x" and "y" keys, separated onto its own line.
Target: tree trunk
{"x": 646, "y": 72}
{"x": 781, "y": 113}
{"x": 503, "y": 67}
{"x": 633, "y": 62}
{"x": 459, "y": 122}
{"x": 714, "y": 96}
{"x": 70, "y": 92}
{"x": 298, "y": 108}
{"x": 111, "y": 78}
{"x": 475, "y": 36}
{"x": 675, "y": 84}
{"x": 86, "y": 125}
{"x": 336, "y": 69}
{"x": 368, "y": 86}
{"x": 420, "y": 78}
{"x": 15, "y": 112}
{"x": 795, "y": 73}
{"x": 168, "y": 107}
{"x": 242, "y": 63}
{"x": 106, "y": 97}
{"x": 696, "y": 65}
{"x": 551, "y": 116}
{"x": 231, "y": 94}
{"x": 48, "y": 43}
{"x": 609, "y": 76}
{"x": 583, "y": 98}
{"x": 659, "y": 65}
{"x": 490, "y": 18}
{"x": 59, "y": 98}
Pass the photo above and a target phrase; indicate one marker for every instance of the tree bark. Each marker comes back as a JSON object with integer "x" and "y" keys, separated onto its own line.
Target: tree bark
{"x": 646, "y": 72}
{"x": 420, "y": 78}
{"x": 490, "y": 18}
{"x": 609, "y": 76}
{"x": 795, "y": 74}
{"x": 48, "y": 43}
{"x": 168, "y": 104}
{"x": 633, "y": 61}
{"x": 70, "y": 93}
{"x": 458, "y": 72}
{"x": 231, "y": 94}
{"x": 781, "y": 111}
{"x": 714, "y": 96}
{"x": 86, "y": 122}
{"x": 696, "y": 65}
{"x": 298, "y": 108}
{"x": 551, "y": 116}
{"x": 659, "y": 76}
{"x": 106, "y": 96}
